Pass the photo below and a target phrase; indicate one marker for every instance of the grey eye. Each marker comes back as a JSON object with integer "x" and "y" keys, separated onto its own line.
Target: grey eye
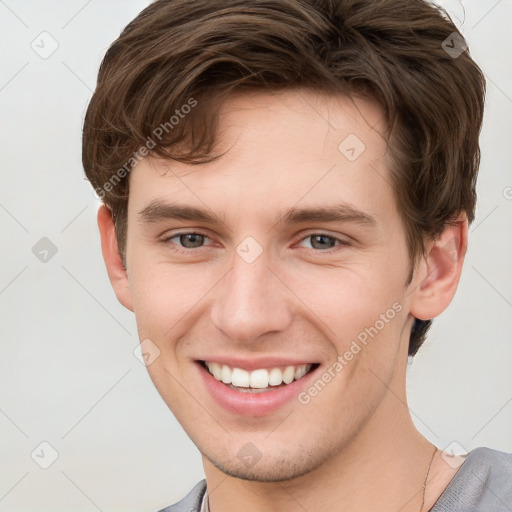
{"x": 321, "y": 241}
{"x": 190, "y": 240}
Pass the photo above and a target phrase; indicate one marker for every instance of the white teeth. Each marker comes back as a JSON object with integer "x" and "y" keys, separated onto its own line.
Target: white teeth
{"x": 240, "y": 378}
{"x": 300, "y": 372}
{"x": 215, "y": 370}
{"x": 275, "y": 377}
{"x": 258, "y": 379}
{"x": 225, "y": 374}
{"x": 289, "y": 374}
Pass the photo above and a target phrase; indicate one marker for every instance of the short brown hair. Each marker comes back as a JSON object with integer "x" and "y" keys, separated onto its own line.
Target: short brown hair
{"x": 193, "y": 53}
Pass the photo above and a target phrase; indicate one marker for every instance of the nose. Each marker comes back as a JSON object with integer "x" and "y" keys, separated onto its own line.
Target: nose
{"x": 252, "y": 300}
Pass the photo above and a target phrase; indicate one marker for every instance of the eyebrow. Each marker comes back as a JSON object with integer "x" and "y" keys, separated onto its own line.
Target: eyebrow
{"x": 158, "y": 211}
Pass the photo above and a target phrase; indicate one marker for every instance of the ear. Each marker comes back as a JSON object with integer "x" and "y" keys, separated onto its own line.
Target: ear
{"x": 438, "y": 273}
{"x": 115, "y": 268}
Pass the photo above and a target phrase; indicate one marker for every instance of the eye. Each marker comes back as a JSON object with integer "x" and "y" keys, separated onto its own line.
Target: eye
{"x": 187, "y": 240}
{"x": 322, "y": 241}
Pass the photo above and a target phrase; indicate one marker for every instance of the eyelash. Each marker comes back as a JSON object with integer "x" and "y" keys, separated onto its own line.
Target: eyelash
{"x": 342, "y": 242}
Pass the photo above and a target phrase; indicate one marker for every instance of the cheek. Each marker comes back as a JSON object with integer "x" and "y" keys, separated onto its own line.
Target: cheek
{"x": 151, "y": 302}
{"x": 347, "y": 300}
{"x": 167, "y": 297}
{"x": 362, "y": 311}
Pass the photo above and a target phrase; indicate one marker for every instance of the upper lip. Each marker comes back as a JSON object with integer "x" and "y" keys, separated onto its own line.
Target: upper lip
{"x": 257, "y": 363}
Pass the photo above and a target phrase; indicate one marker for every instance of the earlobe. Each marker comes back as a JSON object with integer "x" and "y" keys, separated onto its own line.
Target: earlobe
{"x": 439, "y": 272}
{"x": 115, "y": 268}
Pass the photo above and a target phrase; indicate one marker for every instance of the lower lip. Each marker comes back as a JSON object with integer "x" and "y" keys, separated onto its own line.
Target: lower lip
{"x": 252, "y": 404}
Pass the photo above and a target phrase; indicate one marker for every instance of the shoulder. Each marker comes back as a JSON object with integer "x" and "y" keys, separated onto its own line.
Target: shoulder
{"x": 483, "y": 483}
{"x": 191, "y": 502}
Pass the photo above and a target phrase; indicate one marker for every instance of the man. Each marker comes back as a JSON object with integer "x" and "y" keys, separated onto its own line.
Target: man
{"x": 287, "y": 189}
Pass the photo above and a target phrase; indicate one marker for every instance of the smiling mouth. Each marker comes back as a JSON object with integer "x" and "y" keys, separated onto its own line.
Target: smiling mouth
{"x": 259, "y": 380}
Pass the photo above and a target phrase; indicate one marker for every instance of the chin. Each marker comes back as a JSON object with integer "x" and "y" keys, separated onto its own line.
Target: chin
{"x": 271, "y": 469}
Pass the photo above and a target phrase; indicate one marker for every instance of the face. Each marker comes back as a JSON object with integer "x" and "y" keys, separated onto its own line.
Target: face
{"x": 285, "y": 259}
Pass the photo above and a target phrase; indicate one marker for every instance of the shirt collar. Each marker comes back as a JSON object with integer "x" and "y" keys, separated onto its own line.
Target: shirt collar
{"x": 204, "y": 503}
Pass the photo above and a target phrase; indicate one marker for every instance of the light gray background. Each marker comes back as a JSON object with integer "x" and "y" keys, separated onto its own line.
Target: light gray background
{"x": 68, "y": 373}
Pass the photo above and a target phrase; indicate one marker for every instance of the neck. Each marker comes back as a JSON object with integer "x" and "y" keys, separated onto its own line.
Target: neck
{"x": 383, "y": 468}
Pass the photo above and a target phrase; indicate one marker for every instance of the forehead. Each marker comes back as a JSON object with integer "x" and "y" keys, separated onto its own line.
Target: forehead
{"x": 278, "y": 150}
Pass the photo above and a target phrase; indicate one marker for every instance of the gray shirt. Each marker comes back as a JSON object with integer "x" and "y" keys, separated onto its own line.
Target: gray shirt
{"x": 482, "y": 484}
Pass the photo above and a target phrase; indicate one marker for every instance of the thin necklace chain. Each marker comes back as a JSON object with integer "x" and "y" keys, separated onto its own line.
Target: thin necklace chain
{"x": 207, "y": 508}
{"x": 426, "y": 477}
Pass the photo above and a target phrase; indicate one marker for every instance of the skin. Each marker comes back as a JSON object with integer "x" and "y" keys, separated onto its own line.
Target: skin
{"x": 297, "y": 299}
